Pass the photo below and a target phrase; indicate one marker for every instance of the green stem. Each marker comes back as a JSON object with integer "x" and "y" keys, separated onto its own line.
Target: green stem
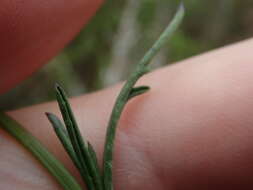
{"x": 125, "y": 93}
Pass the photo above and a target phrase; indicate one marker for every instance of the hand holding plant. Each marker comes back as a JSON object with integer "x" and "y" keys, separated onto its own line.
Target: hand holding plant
{"x": 81, "y": 152}
{"x": 179, "y": 139}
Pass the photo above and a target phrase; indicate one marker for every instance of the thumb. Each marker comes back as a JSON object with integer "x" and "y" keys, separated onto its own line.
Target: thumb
{"x": 32, "y": 32}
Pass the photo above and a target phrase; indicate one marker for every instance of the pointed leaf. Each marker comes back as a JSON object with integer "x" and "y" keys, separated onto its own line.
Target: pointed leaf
{"x": 75, "y": 137}
{"x": 63, "y": 137}
{"x": 54, "y": 166}
{"x": 138, "y": 91}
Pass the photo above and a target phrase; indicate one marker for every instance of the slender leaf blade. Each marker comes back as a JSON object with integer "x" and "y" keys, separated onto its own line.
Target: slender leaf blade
{"x": 79, "y": 143}
{"x": 138, "y": 91}
{"x": 54, "y": 166}
{"x": 63, "y": 137}
{"x": 98, "y": 178}
{"x": 70, "y": 123}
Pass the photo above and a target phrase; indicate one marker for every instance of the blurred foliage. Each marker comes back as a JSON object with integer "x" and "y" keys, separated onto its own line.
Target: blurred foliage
{"x": 85, "y": 63}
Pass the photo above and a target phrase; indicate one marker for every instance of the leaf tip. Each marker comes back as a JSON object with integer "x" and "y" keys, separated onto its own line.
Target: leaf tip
{"x": 181, "y": 7}
{"x": 52, "y": 118}
{"x": 60, "y": 93}
{"x": 57, "y": 87}
{"x": 47, "y": 114}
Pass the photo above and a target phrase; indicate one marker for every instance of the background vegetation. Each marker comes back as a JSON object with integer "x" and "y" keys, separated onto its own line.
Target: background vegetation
{"x": 117, "y": 37}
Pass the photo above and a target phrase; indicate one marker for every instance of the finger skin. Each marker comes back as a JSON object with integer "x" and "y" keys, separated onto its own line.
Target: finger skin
{"x": 193, "y": 130}
{"x": 32, "y": 32}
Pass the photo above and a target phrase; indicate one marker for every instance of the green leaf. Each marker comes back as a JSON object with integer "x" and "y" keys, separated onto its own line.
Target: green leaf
{"x": 88, "y": 165}
{"x": 54, "y": 166}
{"x": 99, "y": 181}
{"x": 75, "y": 137}
{"x": 138, "y": 91}
{"x": 63, "y": 137}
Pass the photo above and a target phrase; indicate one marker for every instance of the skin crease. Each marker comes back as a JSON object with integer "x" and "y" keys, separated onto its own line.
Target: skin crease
{"x": 193, "y": 130}
{"x": 32, "y": 32}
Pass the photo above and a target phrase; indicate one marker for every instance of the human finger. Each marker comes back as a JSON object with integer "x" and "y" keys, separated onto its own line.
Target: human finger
{"x": 32, "y": 32}
{"x": 192, "y": 130}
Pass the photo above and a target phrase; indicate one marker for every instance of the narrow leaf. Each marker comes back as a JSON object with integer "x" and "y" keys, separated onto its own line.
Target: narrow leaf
{"x": 92, "y": 153}
{"x": 77, "y": 140}
{"x": 54, "y": 166}
{"x": 138, "y": 91}
{"x": 164, "y": 37}
{"x": 71, "y": 126}
{"x": 63, "y": 137}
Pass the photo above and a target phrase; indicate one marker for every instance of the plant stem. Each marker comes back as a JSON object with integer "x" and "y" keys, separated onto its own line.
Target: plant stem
{"x": 123, "y": 97}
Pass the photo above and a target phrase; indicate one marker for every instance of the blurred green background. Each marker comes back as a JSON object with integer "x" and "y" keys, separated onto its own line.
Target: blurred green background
{"x": 108, "y": 48}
